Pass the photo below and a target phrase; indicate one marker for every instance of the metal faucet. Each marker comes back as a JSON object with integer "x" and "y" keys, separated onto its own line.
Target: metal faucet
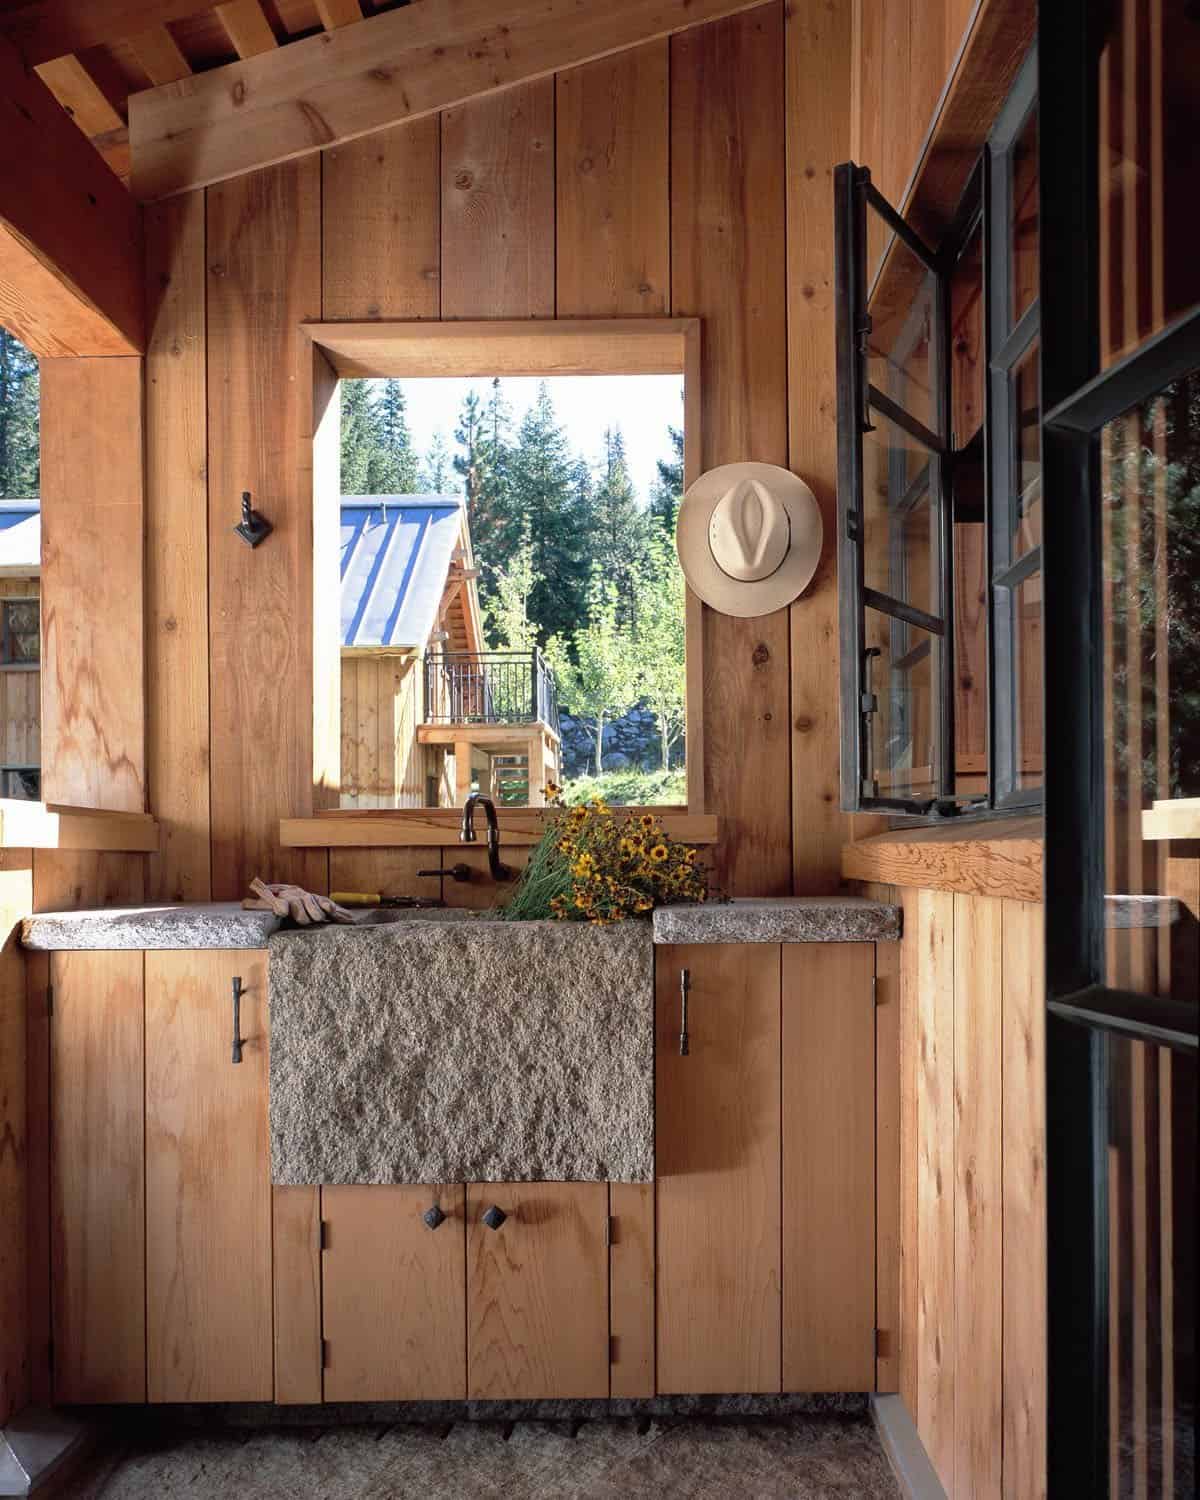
{"x": 466, "y": 833}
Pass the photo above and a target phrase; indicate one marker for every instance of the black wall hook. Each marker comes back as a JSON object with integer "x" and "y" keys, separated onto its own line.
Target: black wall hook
{"x": 253, "y": 528}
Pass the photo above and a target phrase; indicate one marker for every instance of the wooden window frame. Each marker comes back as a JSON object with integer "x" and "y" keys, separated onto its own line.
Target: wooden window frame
{"x": 480, "y": 349}
{"x": 8, "y": 662}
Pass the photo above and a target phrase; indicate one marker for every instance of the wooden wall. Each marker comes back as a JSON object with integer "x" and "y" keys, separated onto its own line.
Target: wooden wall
{"x": 382, "y": 764}
{"x": 20, "y": 694}
{"x": 692, "y": 177}
{"x": 971, "y": 1133}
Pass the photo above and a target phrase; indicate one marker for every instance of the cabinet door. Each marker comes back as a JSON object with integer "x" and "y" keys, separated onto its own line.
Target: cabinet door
{"x": 537, "y": 1291}
{"x": 208, "y": 1179}
{"x": 394, "y": 1294}
{"x": 828, "y": 1167}
{"x": 97, "y": 1183}
{"x": 717, "y": 1145}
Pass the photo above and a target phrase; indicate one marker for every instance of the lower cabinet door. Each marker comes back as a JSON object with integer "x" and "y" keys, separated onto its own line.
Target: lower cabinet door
{"x": 394, "y": 1293}
{"x": 537, "y": 1290}
{"x": 208, "y": 1179}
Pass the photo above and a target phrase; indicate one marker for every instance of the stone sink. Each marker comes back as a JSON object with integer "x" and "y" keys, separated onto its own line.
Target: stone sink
{"x": 440, "y": 1046}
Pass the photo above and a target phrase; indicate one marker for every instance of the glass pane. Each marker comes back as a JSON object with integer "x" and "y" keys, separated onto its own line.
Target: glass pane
{"x": 1024, "y": 209}
{"x": 1149, "y": 118}
{"x": 900, "y": 544}
{"x": 1151, "y": 1260}
{"x": 970, "y": 659}
{"x": 1025, "y": 624}
{"x": 1027, "y": 437}
{"x": 966, "y": 342}
{"x": 903, "y": 729}
{"x": 1150, "y": 519}
{"x": 22, "y": 622}
{"x": 901, "y": 360}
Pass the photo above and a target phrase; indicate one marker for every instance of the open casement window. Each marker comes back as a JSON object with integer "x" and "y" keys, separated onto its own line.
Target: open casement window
{"x": 893, "y": 507}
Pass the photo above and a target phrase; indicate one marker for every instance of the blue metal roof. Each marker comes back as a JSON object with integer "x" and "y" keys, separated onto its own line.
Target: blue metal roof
{"x": 396, "y": 552}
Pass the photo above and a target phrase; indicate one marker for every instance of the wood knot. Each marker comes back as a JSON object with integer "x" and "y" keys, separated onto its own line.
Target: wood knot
{"x": 761, "y": 655}
{"x": 587, "y": 164}
{"x": 464, "y": 181}
{"x": 381, "y": 75}
{"x": 238, "y": 93}
{"x": 803, "y": 724}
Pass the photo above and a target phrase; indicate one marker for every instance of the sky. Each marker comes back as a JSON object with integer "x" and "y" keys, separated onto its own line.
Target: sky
{"x": 643, "y": 406}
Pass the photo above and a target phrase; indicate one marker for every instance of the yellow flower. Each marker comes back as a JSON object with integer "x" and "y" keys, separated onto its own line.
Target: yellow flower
{"x": 628, "y": 847}
{"x": 646, "y": 821}
{"x": 658, "y": 853}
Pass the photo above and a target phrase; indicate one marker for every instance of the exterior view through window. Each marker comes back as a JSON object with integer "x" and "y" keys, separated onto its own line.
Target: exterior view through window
{"x": 20, "y": 574}
{"x": 512, "y": 609}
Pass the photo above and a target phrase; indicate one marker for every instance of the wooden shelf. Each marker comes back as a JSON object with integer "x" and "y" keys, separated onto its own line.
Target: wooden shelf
{"x": 984, "y": 860}
{"x": 405, "y": 829}
{"x": 47, "y": 825}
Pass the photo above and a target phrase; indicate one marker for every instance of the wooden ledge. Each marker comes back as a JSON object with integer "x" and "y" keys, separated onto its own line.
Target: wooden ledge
{"x": 994, "y": 859}
{"x": 347, "y": 828}
{"x": 48, "y": 825}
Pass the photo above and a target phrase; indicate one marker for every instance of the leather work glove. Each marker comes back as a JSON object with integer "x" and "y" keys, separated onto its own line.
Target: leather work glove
{"x": 304, "y": 907}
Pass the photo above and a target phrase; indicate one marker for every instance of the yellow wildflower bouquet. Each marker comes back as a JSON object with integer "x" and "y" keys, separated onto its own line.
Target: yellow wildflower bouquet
{"x": 594, "y": 866}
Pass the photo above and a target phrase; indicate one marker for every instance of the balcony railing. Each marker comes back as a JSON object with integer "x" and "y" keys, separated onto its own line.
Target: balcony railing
{"x": 490, "y": 687}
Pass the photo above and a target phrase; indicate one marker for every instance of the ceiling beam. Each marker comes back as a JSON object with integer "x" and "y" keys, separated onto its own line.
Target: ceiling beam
{"x": 42, "y": 30}
{"x": 396, "y": 66}
{"x": 70, "y": 235}
{"x": 249, "y": 30}
{"x": 159, "y": 55}
{"x": 335, "y": 13}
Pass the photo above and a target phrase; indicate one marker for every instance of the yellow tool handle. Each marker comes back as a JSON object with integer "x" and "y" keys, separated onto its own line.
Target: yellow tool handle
{"x": 356, "y": 898}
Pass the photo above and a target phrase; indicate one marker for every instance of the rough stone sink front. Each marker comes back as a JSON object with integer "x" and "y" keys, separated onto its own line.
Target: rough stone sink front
{"x": 420, "y": 1049}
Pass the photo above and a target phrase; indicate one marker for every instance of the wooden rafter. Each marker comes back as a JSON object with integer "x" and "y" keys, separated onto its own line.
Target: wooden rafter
{"x": 70, "y": 235}
{"x": 80, "y": 95}
{"x": 335, "y": 13}
{"x": 248, "y": 28}
{"x": 159, "y": 55}
{"x": 42, "y": 30}
{"x": 399, "y": 65}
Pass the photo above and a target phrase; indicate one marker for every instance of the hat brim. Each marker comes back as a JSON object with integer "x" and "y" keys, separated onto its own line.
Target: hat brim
{"x": 763, "y": 596}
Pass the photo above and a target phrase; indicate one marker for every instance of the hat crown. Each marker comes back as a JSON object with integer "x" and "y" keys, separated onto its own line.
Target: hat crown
{"x": 749, "y": 532}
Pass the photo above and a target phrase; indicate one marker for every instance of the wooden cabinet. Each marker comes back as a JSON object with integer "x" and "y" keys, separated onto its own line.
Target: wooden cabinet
{"x": 537, "y": 1290}
{"x": 394, "y": 1294}
{"x": 208, "y": 1193}
{"x": 97, "y": 1183}
{"x": 766, "y": 1168}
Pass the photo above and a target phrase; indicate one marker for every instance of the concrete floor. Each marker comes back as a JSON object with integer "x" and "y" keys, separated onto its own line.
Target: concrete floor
{"x": 800, "y": 1458}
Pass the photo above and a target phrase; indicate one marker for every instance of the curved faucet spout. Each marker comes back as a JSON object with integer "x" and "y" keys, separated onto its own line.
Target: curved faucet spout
{"x": 466, "y": 833}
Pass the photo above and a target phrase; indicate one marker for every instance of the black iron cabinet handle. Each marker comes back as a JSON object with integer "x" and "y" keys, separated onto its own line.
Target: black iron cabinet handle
{"x": 237, "y": 1018}
{"x": 685, "y": 986}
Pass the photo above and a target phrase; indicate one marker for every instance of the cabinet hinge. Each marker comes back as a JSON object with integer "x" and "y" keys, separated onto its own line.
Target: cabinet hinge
{"x": 49, "y": 999}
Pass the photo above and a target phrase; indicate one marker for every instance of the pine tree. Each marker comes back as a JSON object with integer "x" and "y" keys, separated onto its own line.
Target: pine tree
{"x": 435, "y": 476}
{"x": 620, "y": 528}
{"x": 542, "y": 480}
{"x": 392, "y": 469}
{"x": 19, "y": 457}
{"x": 358, "y": 437}
{"x": 596, "y": 675}
{"x": 469, "y": 464}
{"x": 668, "y": 485}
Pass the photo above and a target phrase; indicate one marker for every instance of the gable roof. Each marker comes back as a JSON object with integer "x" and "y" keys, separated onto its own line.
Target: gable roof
{"x": 396, "y": 553}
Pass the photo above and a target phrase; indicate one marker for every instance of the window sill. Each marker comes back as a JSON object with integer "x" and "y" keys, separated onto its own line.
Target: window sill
{"x": 992, "y": 859}
{"x": 41, "y": 825}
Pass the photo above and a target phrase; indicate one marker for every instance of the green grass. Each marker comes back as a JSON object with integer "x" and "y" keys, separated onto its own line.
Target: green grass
{"x": 629, "y": 788}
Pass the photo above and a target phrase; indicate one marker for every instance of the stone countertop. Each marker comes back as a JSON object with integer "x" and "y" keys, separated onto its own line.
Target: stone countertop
{"x": 193, "y": 924}
{"x": 779, "y": 919}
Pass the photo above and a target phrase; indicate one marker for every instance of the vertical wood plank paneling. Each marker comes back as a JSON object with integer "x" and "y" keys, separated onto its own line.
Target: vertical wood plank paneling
{"x": 818, "y": 89}
{"x": 177, "y": 549}
{"x": 910, "y": 1030}
{"x": 208, "y": 1180}
{"x": 93, "y": 692}
{"x": 264, "y": 278}
{"x": 381, "y": 256}
{"x": 98, "y": 1177}
{"x": 296, "y": 1293}
{"x": 498, "y": 205}
{"x": 612, "y": 180}
{"x": 631, "y": 1283}
{"x": 889, "y": 1180}
{"x": 1024, "y": 1138}
{"x": 978, "y": 1191}
{"x": 935, "y": 1280}
{"x": 18, "y": 1185}
{"x": 828, "y": 1167}
{"x": 69, "y": 880}
{"x": 728, "y": 267}
{"x": 37, "y": 1032}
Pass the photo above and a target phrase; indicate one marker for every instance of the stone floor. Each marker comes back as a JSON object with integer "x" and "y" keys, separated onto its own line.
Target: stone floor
{"x": 800, "y": 1458}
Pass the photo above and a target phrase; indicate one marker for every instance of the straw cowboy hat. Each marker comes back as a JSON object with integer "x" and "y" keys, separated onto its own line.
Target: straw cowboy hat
{"x": 749, "y": 538}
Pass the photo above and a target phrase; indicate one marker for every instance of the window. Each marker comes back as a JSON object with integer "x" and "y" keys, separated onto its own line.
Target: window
{"x": 940, "y": 490}
{"x": 20, "y": 632}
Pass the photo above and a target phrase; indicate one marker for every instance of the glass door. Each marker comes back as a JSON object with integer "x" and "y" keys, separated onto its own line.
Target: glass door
{"x": 1120, "y": 374}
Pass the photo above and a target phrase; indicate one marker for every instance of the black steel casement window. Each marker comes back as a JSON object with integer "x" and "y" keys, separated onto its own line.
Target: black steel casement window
{"x": 910, "y": 482}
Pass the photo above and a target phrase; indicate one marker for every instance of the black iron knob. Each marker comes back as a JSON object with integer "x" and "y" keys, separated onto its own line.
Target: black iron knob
{"x": 494, "y": 1217}
{"x": 434, "y": 1217}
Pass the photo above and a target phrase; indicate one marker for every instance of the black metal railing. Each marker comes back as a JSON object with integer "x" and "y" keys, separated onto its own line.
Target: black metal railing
{"x": 490, "y": 687}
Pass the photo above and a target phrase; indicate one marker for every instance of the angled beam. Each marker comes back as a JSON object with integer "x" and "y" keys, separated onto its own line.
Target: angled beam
{"x": 159, "y": 55}
{"x": 81, "y": 96}
{"x": 335, "y": 13}
{"x": 70, "y": 235}
{"x": 45, "y": 29}
{"x": 249, "y": 30}
{"x": 397, "y": 66}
